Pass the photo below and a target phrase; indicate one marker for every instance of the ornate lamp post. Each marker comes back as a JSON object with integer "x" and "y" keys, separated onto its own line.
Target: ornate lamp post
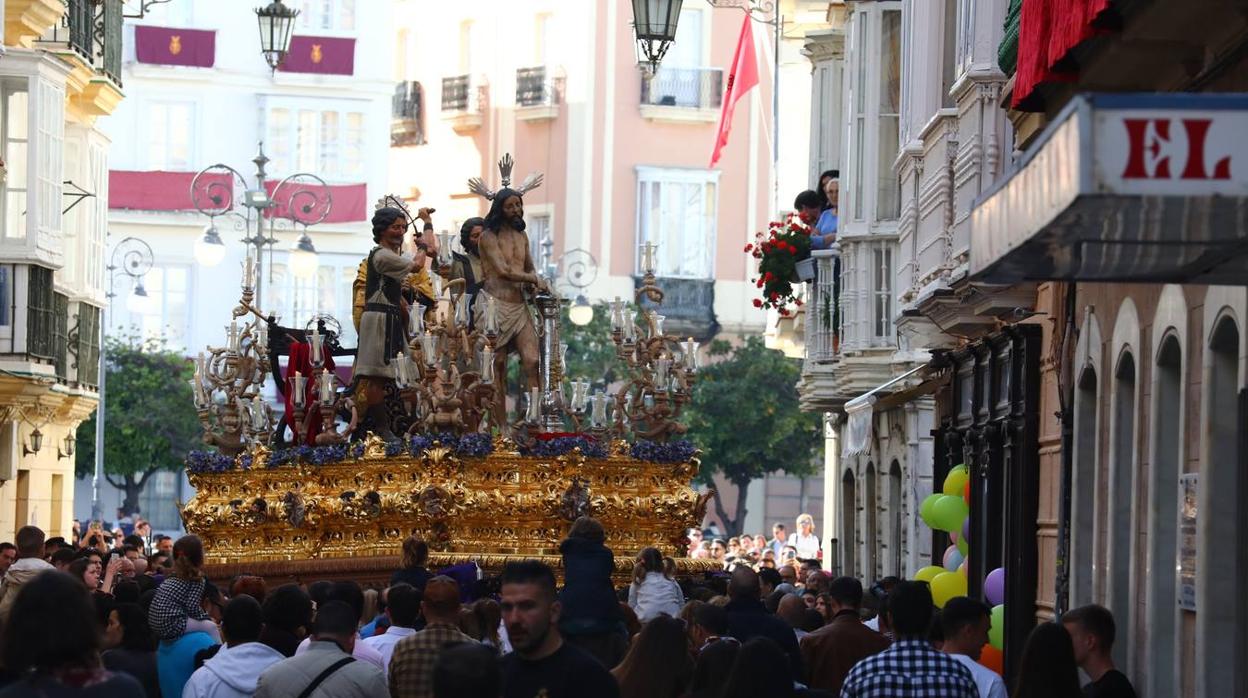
{"x": 276, "y": 23}
{"x": 302, "y": 200}
{"x": 654, "y": 24}
{"x": 133, "y": 258}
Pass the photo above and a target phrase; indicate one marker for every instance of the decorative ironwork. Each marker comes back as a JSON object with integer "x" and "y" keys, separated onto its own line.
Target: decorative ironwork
{"x": 60, "y": 335}
{"x": 456, "y": 92}
{"x": 111, "y": 28}
{"x": 696, "y": 88}
{"x": 536, "y": 88}
{"x": 407, "y": 115}
{"x": 80, "y": 18}
{"x": 40, "y": 313}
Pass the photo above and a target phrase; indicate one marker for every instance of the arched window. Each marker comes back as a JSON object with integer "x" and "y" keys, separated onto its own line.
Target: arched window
{"x": 1121, "y": 494}
{"x": 1083, "y": 488}
{"x": 873, "y": 540}
{"x": 1220, "y": 603}
{"x": 894, "y": 516}
{"x": 849, "y": 532}
{"x": 1163, "y": 513}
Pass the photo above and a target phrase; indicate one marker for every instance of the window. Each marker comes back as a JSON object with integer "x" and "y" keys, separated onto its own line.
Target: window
{"x": 296, "y": 301}
{"x": 849, "y": 517}
{"x": 1082, "y": 521}
{"x": 873, "y": 542}
{"x": 883, "y": 293}
{"x": 1163, "y": 539}
{"x": 325, "y": 14}
{"x": 888, "y": 196}
{"x": 329, "y": 142}
{"x": 895, "y": 518}
{"x": 166, "y": 312}
{"x": 400, "y": 55}
{"x": 966, "y": 33}
{"x": 686, "y": 49}
{"x": 859, "y": 110}
{"x": 6, "y": 295}
{"x": 16, "y": 148}
{"x": 949, "y": 54}
{"x": 676, "y": 210}
{"x": 1120, "y": 575}
{"x": 170, "y": 125}
{"x": 95, "y": 217}
{"x": 538, "y": 229}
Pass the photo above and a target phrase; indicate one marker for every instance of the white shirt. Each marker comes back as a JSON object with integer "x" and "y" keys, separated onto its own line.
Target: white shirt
{"x": 987, "y": 681}
{"x": 655, "y": 596}
{"x": 807, "y": 546}
{"x": 385, "y": 642}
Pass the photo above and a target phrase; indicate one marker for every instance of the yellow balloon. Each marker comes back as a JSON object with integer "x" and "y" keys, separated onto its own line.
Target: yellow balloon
{"x": 947, "y": 585}
{"x": 955, "y": 481}
{"x": 927, "y": 574}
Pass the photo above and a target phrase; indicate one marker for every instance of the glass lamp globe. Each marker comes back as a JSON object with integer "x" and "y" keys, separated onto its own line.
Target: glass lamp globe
{"x": 209, "y": 250}
{"x": 138, "y": 302}
{"x": 581, "y": 313}
{"x": 303, "y": 260}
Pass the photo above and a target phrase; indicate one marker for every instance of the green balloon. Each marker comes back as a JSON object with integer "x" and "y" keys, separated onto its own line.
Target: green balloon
{"x": 925, "y": 509}
{"x": 948, "y": 513}
{"x": 963, "y": 547}
{"x": 996, "y": 633}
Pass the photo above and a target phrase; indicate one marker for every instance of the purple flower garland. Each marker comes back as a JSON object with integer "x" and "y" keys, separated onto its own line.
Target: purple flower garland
{"x": 468, "y": 445}
{"x": 670, "y": 452}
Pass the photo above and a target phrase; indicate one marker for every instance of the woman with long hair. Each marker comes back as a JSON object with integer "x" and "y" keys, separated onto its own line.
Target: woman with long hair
{"x": 489, "y": 617}
{"x": 415, "y": 557}
{"x": 1047, "y": 667}
{"x": 130, "y": 646}
{"x": 653, "y": 593}
{"x": 51, "y": 642}
{"x": 658, "y": 664}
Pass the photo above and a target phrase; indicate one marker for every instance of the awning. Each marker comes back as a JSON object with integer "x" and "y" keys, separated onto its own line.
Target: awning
{"x": 1124, "y": 187}
{"x": 859, "y": 410}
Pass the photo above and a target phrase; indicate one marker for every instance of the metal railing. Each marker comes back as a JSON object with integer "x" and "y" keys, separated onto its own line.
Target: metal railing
{"x": 535, "y": 88}
{"x": 407, "y": 115}
{"x": 40, "y": 313}
{"x": 87, "y": 354}
{"x": 688, "y": 306}
{"x": 80, "y": 19}
{"x": 823, "y": 309}
{"x": 60, "y": 335}
{"x": 697, "y": 88}
{"x": 112, "y": 25}
{"x": 457, "y": 94}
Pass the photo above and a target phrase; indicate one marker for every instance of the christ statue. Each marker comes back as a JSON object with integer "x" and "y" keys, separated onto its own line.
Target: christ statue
{"x": 510, "y": 281}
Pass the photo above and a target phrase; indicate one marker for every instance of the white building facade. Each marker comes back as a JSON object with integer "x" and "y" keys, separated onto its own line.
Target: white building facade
{"x": 327, "y": 112}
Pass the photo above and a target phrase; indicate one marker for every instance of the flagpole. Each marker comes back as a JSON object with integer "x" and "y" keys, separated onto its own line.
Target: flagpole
{"x": 775, "y": 115}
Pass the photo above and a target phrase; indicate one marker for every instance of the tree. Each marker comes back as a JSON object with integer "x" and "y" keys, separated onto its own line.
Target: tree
{"x": 149, "y": 416}
{"x": 744, "y": 416}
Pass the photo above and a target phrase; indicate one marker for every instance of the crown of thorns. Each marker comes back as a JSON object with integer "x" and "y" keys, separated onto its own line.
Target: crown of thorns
{"x": 531, "y": 182}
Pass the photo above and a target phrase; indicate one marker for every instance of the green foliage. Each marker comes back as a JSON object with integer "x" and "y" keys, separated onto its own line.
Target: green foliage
{"x": 149, "y": 415}
{"x": 591, "y": 353}
{"x": 744, "y": 416}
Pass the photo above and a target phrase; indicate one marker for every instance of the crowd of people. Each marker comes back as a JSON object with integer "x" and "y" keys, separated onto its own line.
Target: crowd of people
{"x": 758, "y": 551}
{"x": 76, "y": 620}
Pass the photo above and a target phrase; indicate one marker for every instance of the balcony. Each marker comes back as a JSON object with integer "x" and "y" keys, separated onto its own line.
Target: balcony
{"x": 537, "y": 94}
{"x": 407, "y": 115}
{"x": 688, "y": 306}
{"x": 690, "y": 95}
{"x": 89, "y": 38}
{"x": 462, "y": 102}
{"x": 823, "y": 334}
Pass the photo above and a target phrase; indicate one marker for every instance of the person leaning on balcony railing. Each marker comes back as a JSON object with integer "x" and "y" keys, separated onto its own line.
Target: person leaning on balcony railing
{"x": 809, "y": 205}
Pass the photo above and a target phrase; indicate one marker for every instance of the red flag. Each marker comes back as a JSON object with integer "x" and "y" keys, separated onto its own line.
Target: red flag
{"x": 742, "y": 76}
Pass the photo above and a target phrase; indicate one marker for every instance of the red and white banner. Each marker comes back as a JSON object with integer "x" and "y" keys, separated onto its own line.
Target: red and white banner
{"x": 741, "y": 77}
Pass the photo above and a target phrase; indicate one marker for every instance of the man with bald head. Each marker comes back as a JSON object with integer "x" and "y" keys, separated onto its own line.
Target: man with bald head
{"x": 411, "y": 665}
{"x": 748, "y": 618}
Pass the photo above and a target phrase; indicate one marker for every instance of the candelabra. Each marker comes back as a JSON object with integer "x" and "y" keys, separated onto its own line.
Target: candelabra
{"x": 228, "y": 380}
{"x": 661, "y": 368}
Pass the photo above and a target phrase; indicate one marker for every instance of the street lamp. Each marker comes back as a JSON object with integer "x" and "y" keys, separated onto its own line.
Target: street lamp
{"x": 276, "y": 22}
{"x": 302, "y": 200}
{"x": 209, "y": 249}
{"x": 138, "y": 301}
{"x": 654, "y": 24}
{"x": 132, "y": 257}
{"x": 581, "y": 313}
{"x": 303, "y": 260}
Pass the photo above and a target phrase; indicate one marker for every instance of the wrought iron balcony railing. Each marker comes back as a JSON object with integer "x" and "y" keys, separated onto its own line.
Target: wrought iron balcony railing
{"x": 407, "y": 115}
{"x": 536, "y": 88}
{"x": 458, "y": 94}
{"x": 111, "y": 25}
{"x": 823, "y": 309}
{"x": 80, "y": 18}
{"x": 688, "y": 306}
{"x": 93, "y": 30}
{"x": 693, "y": 88}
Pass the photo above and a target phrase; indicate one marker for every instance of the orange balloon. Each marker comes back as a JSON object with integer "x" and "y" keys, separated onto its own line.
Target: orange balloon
{"x": 992, "y": 658}
{"x": 966, "y": 493}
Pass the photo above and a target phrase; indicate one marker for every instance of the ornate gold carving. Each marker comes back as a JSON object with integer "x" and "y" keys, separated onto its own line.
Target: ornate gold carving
{"x": 484, "y": 509}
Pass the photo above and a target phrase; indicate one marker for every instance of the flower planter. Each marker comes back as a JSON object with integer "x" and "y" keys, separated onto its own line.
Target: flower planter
{"x": 805, "y": 269}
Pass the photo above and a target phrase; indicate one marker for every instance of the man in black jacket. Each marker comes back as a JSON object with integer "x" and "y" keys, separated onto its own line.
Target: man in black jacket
{"x": 748, "y": 618}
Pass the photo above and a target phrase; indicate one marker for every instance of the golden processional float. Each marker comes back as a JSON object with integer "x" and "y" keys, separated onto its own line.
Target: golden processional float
{"x": 314, "y": 493}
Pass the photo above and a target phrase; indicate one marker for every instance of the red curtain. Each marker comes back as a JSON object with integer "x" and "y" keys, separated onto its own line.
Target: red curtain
{"x": 300, "y": 360}
{"x": 1048, "y": 30}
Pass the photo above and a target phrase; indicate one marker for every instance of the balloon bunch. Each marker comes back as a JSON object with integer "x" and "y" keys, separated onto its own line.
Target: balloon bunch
{"x": 949, "y": 510}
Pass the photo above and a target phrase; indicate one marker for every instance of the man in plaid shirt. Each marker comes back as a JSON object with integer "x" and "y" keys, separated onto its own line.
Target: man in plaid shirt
{"x": 911, "y": 668}
{"x": 411, "y": 666}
